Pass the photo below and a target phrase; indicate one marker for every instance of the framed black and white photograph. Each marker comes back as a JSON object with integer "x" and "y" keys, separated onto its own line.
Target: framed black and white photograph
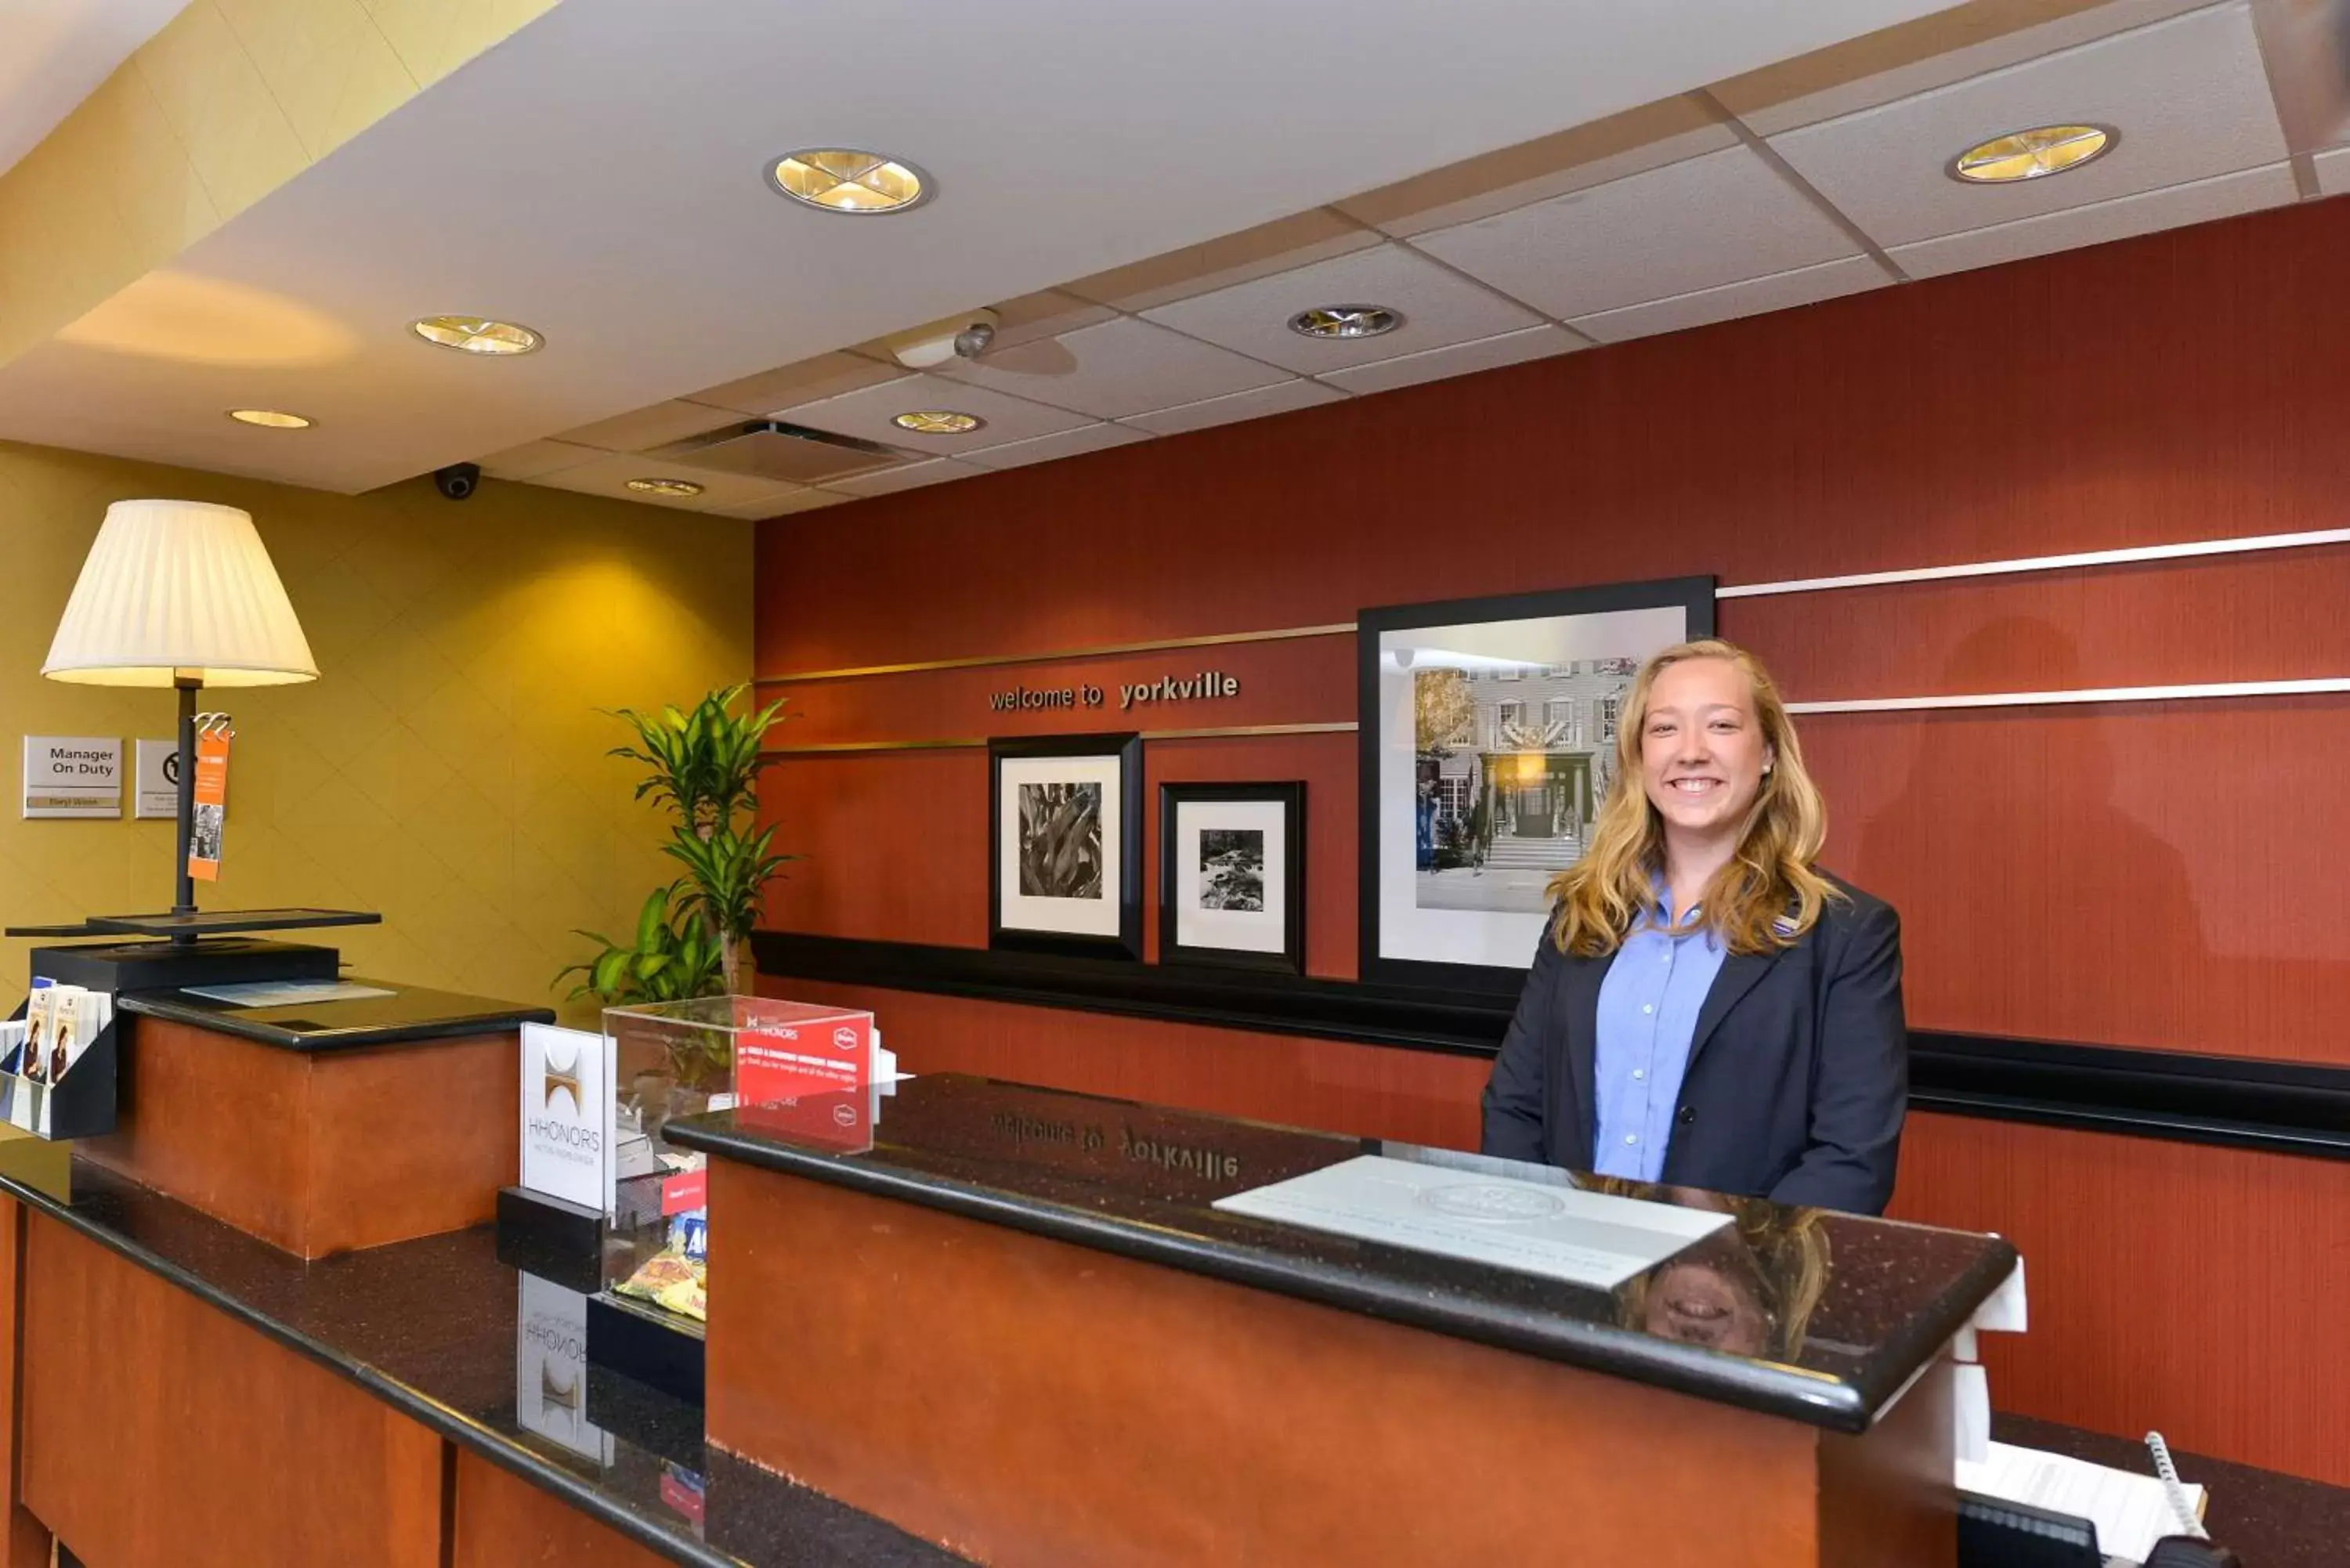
{"x": 1488, "y": 742}
{"x": 1064, "y": 845}
{"x": 1231, "y": 876}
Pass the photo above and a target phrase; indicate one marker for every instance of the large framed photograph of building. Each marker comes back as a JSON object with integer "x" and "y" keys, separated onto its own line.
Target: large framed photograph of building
{"x": 1488, "y": 742}
{"x": 1064, "y": 845}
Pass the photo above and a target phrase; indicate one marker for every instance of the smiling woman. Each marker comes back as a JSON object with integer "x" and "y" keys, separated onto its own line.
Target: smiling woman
{"x": 1707, "y": 1008}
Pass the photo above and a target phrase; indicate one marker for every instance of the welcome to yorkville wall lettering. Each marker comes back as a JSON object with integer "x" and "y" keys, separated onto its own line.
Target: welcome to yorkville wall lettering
{"x": 1200, "y": 686}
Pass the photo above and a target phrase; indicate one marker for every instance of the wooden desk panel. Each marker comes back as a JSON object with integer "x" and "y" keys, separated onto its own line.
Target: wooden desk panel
{"x": 160, "y": 1433}
{"x": 1029, "y": 1401}
{"x": 24, "y": 1543}
{"x": 504, "y": 1521}
{"x": 319, "y": 1151}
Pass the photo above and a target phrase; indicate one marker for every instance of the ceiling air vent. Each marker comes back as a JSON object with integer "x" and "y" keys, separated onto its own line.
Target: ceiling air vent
{"x": 771, "y": 449}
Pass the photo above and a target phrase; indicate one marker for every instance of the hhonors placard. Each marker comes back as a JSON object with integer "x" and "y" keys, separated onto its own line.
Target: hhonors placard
{"x": 566, "y": 1114}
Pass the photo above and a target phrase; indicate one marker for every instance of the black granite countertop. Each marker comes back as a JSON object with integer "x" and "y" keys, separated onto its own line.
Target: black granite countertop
{"x": 493, "y": 1358}
{"x": 1814, "y": 1316}
{"x": 455, "y": 1337}
{"x": 410, "y": 1013}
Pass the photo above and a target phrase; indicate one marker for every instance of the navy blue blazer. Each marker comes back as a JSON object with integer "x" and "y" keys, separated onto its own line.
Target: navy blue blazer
{"x": 1798, "y": 1074}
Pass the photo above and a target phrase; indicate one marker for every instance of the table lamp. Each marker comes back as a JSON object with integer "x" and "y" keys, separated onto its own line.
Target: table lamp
{"x": 179, "y": 594}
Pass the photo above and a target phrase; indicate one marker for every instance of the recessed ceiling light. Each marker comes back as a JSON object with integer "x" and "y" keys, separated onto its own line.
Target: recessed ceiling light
{"x": 1345, "y": 321}
{"x": 937, "y": 421}
{"x": 2032, "y": 154}
{"x": 476, "y": 335}
{"x": 680, "y": 488}
{"x": 841, "y": 180}
{"x": 269, "y": 419}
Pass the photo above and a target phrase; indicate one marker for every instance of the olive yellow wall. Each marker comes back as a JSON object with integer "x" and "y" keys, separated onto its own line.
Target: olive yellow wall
{"x": 447, "y": 768}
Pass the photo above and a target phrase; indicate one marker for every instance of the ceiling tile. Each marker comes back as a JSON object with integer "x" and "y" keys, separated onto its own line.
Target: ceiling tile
{"x": 1439, "y": 307}
{"x": 1920, "y": 55}
{"x": 1279, "y": 398}
{"x": 1804, "y": 286}
{"x": 913, "y": 476}
{"x": 1649, "y": 137}
{"x": 2332, "y": 167}
{"x": 534, "y": 458}
{"x": 1457, "y": 360}
{"x": 1045, "y": 314}
{"x": 2246, "y": 190}
{"x": 783, "y": 506}
{"x": 1293, "y": 242}
{"x": 825, "y": 375}
{"x": 1722, "y": 218}
{"x": 2189, "y": 97}
{"x": 609, "y": 475}
{"x": 1045, "y": 449}
{"x": 655, "y": 426}
{"x": 867, "y": 414}
{"x": 1121, "y": 367}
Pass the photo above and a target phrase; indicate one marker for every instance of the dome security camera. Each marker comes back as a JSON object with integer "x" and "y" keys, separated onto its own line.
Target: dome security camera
{"x": 923, "y": 347}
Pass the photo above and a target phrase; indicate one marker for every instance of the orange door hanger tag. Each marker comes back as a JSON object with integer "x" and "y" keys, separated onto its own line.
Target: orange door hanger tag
{"x": 212, "y": 806}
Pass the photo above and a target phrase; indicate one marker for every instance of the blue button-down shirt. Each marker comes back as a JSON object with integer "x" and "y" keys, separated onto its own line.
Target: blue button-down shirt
{"x": 1647, "y": 1017}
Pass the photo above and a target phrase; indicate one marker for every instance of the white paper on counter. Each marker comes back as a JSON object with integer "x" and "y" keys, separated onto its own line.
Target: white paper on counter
{"x": 287, "y": 992}
{"x": 2131, "y": 1512}
{"x": 1584, "y": 1238}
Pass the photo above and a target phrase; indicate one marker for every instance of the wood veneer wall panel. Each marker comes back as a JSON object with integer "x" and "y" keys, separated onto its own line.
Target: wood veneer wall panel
{"x": 2189, "y": 1288}
{"x": 2268, "y": 616}
{"x": 2150, "y": 875}
{"x": 896, "y": 841}
{"x": 1327, "y": 765}
{"x": 504, "y": 1521}
{"x": 895, "y": 845}
{"x": 1290, "y": 680}
{"x": 160, "y": 1433}
{"x": 2125, "y": 876}
{"x": 1415, "y": 1095}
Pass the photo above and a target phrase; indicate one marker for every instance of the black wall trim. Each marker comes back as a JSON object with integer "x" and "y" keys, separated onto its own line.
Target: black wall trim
{"x": 2240, "y": 1102}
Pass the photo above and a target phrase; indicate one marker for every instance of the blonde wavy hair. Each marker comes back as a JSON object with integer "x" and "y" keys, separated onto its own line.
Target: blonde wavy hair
{"x": 1768, "y": 895}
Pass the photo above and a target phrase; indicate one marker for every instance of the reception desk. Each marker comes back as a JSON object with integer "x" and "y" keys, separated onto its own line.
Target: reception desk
{"x": 1017, "y": 1323}
{"x": 322, "y": 1127}
{"x": 1014, "y": 1331}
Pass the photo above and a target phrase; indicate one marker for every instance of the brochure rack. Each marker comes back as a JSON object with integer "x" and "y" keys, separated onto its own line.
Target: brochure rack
{"x": 82, "y": 1104}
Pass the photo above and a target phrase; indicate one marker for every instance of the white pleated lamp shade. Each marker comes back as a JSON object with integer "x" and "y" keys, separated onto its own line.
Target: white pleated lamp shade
{"x": 177, "y": 588}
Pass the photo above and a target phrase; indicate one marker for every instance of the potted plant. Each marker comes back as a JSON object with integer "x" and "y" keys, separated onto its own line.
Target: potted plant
{"x": 705, "y": 764}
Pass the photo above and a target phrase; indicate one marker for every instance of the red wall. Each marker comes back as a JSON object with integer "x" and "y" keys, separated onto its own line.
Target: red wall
{"x": 2152, "y": 875}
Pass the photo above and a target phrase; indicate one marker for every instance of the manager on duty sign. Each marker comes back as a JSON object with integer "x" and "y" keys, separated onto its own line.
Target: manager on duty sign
{"x": 73, "y": 775}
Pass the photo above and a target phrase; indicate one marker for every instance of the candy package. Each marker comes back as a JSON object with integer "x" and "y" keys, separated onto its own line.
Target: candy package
{"x": 670, "y": 1279}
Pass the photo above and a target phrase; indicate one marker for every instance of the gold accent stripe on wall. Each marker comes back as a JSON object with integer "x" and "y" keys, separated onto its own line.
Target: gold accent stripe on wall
{"x": 1160, "y": 644}
{"x": 1220, "y": 732}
